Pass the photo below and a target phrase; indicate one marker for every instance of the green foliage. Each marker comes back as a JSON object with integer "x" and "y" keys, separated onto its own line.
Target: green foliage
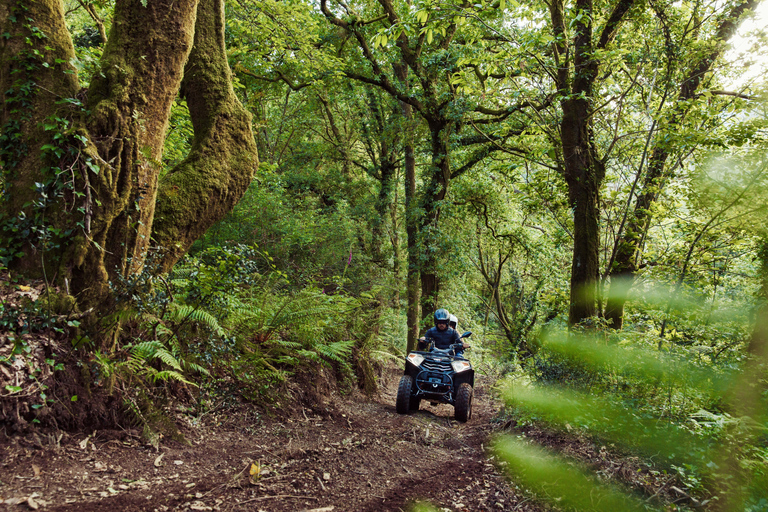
{"x": 668, "y": 406}
{"x": 227, "y": 317}
{"x": 62, "y": 158}
{"x": 287, "y": 328}
{"x": 178, "y": 139}
{"x": 555, "y": 480}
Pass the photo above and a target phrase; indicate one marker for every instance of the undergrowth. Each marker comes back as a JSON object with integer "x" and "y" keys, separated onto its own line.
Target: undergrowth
{"x": 221, "y": 327}
{"x": 702, "y": 419}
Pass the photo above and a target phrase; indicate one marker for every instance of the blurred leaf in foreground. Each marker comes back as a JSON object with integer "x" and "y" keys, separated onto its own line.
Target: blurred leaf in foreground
{"x": 557, "y": 481}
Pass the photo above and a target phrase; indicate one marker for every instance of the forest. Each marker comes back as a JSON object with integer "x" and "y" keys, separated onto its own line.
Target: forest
{"x": 254, "y": 205}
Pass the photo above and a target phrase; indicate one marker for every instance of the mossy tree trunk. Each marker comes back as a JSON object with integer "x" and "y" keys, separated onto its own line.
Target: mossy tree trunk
{"x": 101, "y": 161}
{"x": 211, "y": 180}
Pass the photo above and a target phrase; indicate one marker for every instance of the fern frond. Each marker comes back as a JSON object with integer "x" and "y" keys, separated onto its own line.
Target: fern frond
{"x": 286, "y": 360}
{"x": 308, "y": 354}
{"x": 163, "y": 330}
{"x": 145, "y": 349}
{"x": 168, "y": 358}
{"x": 290, "y": 345}
{"x": 167, "y": 375}
{"x": 337, "y": 351}
{"x": 183, "y": 312}
{"x": 197, "y": 368}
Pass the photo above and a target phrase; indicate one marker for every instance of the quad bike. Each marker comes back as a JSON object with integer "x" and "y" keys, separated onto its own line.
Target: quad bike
{"x": 439, "y": 376}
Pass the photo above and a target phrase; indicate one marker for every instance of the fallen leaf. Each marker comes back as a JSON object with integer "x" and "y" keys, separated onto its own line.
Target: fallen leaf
{"x": 36, "y": 469}
{"x": 31, "y": 503}
{"x": 178, "y": 462}
{"x": 158, "y": 459}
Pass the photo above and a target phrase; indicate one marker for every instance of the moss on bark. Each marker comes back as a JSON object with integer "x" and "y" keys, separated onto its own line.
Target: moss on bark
{"x": 121, "y": 128}
{"x": 209, "y": 182}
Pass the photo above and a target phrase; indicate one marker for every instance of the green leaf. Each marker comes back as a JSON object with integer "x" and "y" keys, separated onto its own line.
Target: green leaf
{"x": 13, "y": 389}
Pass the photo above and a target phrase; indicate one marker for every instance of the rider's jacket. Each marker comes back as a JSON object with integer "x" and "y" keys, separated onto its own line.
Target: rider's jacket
{"x": 443, "y": 339}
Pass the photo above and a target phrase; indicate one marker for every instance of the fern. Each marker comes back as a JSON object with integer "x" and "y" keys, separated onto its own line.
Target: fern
{"x": 168, "y": 375}
{"x": 168, "y": 358}
{"x": 287, "y": 345}
{"x": 308, "y": 354}
{"x": 183, "y": 313}
{"x": 337, "y": 351}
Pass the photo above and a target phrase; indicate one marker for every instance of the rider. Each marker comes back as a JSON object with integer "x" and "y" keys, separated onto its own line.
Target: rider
{"x": 443, "y": 335}
{"x": 453, "y": 322}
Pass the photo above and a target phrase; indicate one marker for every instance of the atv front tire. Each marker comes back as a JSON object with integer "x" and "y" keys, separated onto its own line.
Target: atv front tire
{"x": 463, "y": 408}
{"x": 403, "y": 403}
{"x": 414, "y": 404}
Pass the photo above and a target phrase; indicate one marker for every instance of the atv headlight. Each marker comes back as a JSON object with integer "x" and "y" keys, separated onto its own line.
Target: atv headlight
{"x": 460, "y": 366}
{"x": 415, "y": 359}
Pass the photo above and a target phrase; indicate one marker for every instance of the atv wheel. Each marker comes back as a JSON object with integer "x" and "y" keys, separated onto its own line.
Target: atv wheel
{"x": 463, "y": 409}
{"x": 404, "y": 394}
{"x": 414, "y": 403}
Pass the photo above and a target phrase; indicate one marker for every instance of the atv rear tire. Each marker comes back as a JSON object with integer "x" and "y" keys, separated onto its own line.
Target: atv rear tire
{"x": 404, "y": 394}
{"x": 463, "y": 409}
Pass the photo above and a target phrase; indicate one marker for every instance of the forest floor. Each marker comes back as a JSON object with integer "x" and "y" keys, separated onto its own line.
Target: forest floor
{"x": 346, "y": 453}
{"x": 349, "y": 453}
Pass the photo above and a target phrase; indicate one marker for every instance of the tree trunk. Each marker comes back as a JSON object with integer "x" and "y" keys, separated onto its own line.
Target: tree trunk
{"x": 129, "y": 104}
{"x": 629, "y": 249}
{"x": 413, "y": 314}
{"x": 35, "y": 74}
{"x": 584, "y": 172}
{"x": 413, "y": 276}
{"x": 106, "y": 183}
{"x": 584, "y": 175}
{"x": 203, "y": 188}
{"x": 431, "y": 241}
{"x": 583, "y": 169}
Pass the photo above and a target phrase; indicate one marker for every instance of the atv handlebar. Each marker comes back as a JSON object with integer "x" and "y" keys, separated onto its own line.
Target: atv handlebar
{"x": 429, "y": 343}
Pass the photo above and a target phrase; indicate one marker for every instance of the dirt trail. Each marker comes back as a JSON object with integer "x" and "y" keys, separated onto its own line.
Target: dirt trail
{"x": 349, "y": 454}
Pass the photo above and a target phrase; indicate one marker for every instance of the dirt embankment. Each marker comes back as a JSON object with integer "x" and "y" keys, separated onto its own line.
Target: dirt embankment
{"x": 346, "y": 454}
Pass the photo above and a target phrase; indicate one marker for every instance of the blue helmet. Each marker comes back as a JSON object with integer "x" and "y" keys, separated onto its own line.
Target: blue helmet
{"x": 441, "y": 315}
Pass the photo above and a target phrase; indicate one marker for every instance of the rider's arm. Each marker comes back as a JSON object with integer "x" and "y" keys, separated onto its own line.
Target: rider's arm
{"x": 456, "y": 338}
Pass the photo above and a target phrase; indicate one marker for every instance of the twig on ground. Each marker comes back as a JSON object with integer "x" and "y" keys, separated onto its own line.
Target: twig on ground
{"x": 661, "y": 488}
{"x": 229, "y": 482}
